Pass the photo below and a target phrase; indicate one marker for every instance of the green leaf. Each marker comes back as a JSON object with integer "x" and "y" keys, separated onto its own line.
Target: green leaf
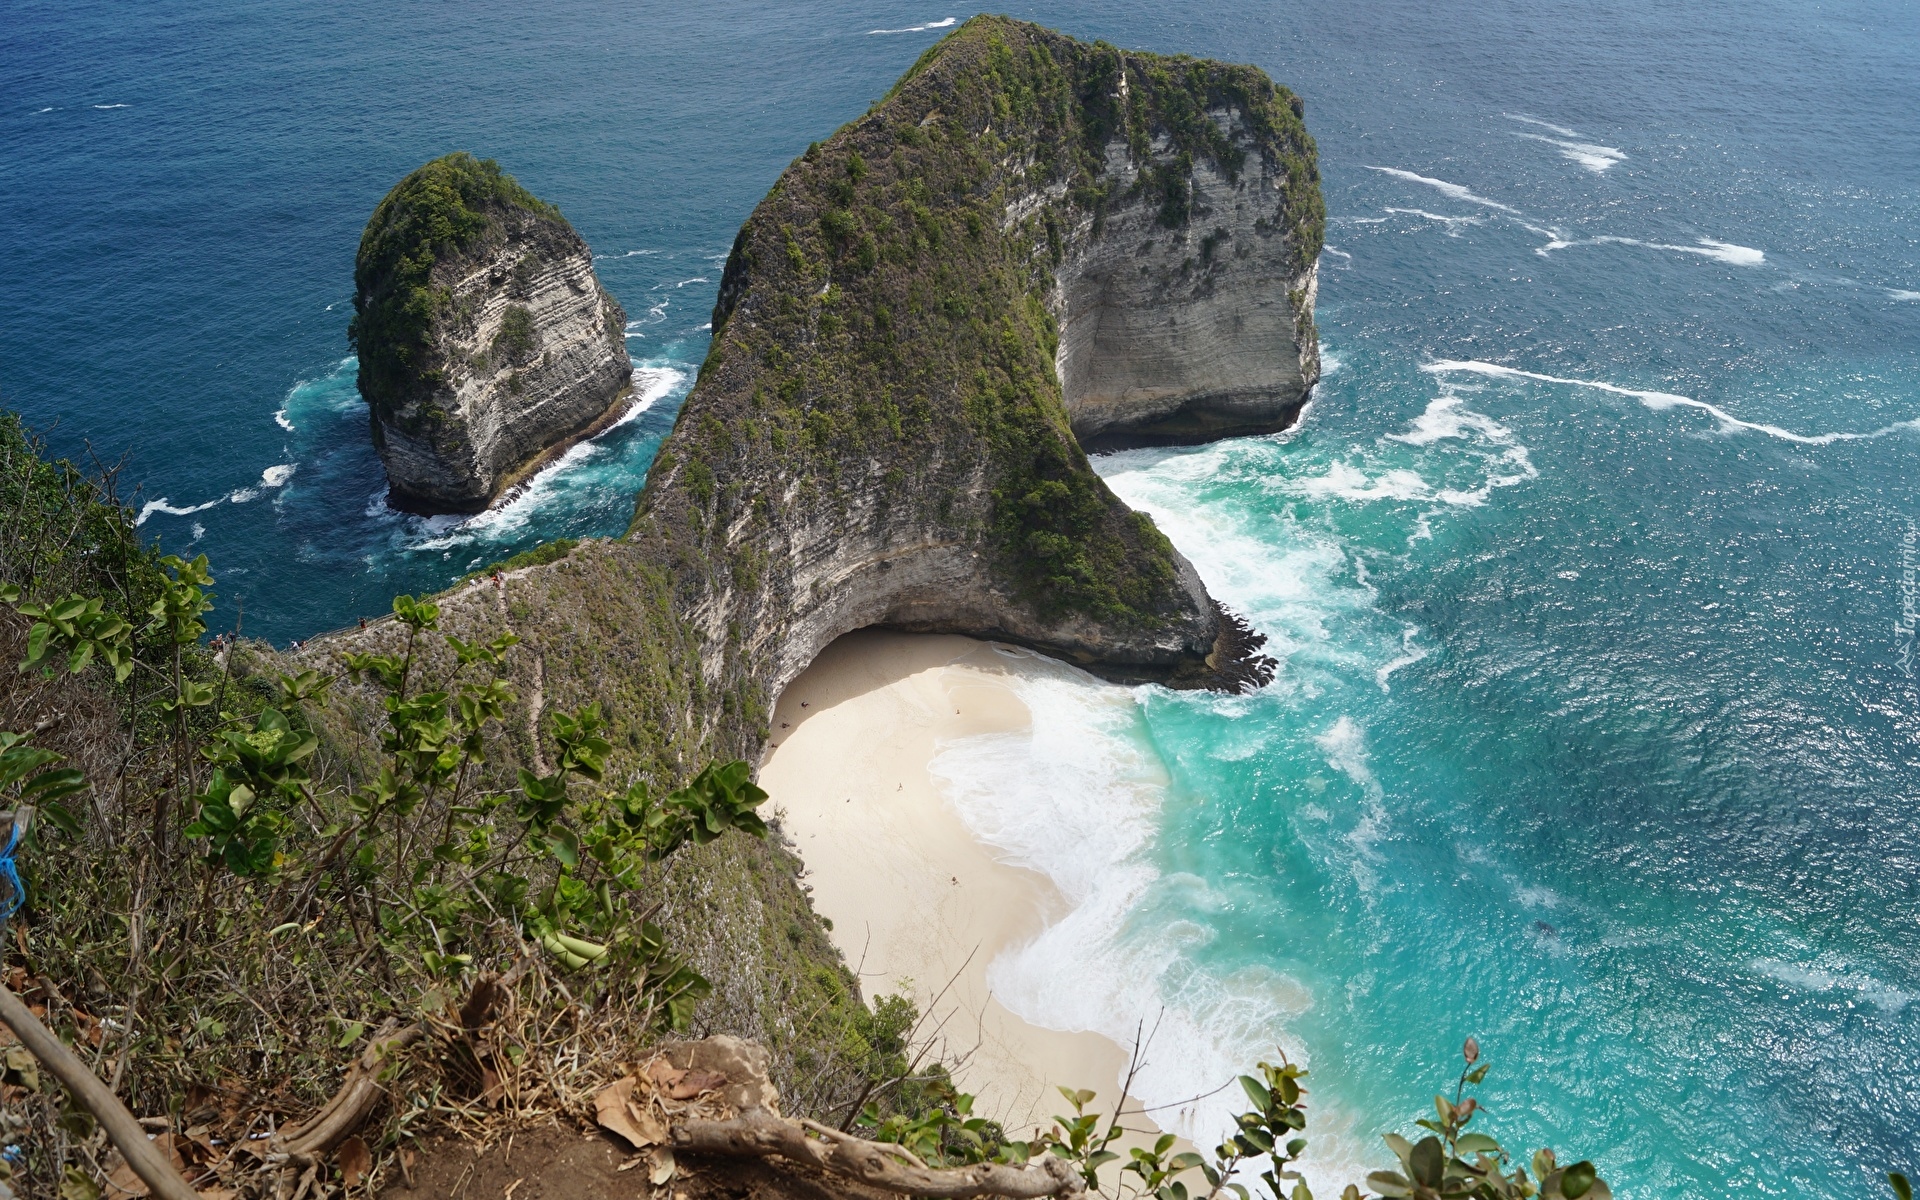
{"x": 349, "y": 1035}
{"x": 565, "y": 846}
{"x": 1429, "y": 1162}
{"x": 1577, "y": 1180}
{"x": 63, "y": 781}
{"x": 1901, "y": 1187}
{"x": 37, "y": 643}
{"x": 1476, "y": 1143}
{"x": 1389, "y": 1184}
{"x": 1257, "y": 1092}
{"x": 57, "y": 816}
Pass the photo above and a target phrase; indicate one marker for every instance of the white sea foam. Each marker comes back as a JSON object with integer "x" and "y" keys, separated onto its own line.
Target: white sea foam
{"x": 346, "y": 400}
{"x": 628, "y": 254}
{"x": 1445, "y": 417}
{"x": 1441, "y": 219}
{"x": 507, "y": 518}
{"x": 1345, "y": 746}
{"x": 1455, "y": 190}
{"x": 941, "y": 24}
{"x": 1562, "y": 130}
{"x": 1337, "y": 251}
{"x": 161, "y": 506}
{"x": 1594, "y": 158}
{"x": 108, "y": 106}
{"x": 1726, "y": 252}
{"x": 1076, "y": 798}
{"x": 1411, "y": 653}
{"x": 272, "y": 477}
{"x": 47, "y": 109}
{"x": 1902, "y": 294}
{"x": 1883, "y": 996}
{"x": 695, "y": 279}
{"x": 1665, "y": 400}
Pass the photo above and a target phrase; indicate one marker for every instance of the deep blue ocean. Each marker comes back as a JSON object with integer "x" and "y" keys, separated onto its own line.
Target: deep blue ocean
{"x": 1595, "y": 735}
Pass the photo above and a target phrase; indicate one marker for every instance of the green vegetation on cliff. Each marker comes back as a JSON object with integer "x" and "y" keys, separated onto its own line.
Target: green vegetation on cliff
{"x": 235, "y": 883}
{"x": 439, "y": 209}
{"x": 889, "y": 298}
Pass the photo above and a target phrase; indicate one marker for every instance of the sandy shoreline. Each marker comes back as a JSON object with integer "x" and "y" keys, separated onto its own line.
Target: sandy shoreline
{"x": 918, "y": 906}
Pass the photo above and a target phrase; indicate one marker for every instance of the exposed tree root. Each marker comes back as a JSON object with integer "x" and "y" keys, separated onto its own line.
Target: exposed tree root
{"x": 758, "y": 1133}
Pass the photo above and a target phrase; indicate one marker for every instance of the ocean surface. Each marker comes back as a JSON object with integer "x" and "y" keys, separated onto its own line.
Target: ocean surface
{"x": 1595, "y": 732}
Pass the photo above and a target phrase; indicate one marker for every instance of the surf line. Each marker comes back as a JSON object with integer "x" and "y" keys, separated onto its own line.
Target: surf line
{"x": 1726, "y": 252}
{"x": 273, "y": 477}
{"x": 916, "y": 28}
{"x": 1661, "y": 400}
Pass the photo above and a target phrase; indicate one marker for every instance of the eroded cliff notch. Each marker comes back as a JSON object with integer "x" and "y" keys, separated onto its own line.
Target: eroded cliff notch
{"x": 486, "y": 342}
{"x": 880, "y": 435}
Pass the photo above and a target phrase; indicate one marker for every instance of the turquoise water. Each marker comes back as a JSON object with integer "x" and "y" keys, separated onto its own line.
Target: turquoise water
{"x": 1592, "y": 736}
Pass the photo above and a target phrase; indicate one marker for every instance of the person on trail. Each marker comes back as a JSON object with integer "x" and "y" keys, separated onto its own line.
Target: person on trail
{"x": 363, "y": 622}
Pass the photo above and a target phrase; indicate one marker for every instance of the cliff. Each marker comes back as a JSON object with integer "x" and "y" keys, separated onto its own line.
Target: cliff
{"x": 486, "y": 343}
{"x": 880, "y": 435}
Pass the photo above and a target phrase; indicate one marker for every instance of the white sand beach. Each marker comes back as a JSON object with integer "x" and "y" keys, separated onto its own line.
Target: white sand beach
{"x": 918, "y": 906}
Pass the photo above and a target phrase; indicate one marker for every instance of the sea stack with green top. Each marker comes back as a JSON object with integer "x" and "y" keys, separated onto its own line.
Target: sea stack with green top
{"x": 486, "y": 343}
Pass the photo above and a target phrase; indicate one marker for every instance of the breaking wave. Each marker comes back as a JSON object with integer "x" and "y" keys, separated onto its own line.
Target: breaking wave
{"x": 1665, "y": 400}
{"x": 1594, "y": 158}
{"x": 1455, "y": 190}
{"x": 940, "y": 24}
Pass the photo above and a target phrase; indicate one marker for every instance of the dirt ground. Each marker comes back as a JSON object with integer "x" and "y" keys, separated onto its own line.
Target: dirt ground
{"x": 555, "y": 1163}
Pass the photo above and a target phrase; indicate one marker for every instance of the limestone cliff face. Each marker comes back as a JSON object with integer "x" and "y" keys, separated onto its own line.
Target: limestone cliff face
{"x": 486, "y": 342}
{"x": 1179, "y": 332}
{"x": 880, "y": 434}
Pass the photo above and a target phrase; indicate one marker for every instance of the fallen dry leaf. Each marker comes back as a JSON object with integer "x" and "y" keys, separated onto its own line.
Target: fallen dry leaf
{"x": 618, "y": 1112}
{"x": 663, "y": 1073}
{"x": 123, "y": 1184}
{"x": 354, "y": 1160}
{"x": 692, "y": 1083}
{"x": 662, "y": 1168}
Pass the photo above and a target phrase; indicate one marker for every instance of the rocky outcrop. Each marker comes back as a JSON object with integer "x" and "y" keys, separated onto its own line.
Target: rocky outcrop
{"x": 1029, "y": 239}
{"x": 486, "y": 343}
{"x": 1181, "y": 331}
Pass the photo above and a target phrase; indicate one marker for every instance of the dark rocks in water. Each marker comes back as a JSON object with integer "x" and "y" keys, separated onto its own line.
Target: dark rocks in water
{"x": 487, "y": 344}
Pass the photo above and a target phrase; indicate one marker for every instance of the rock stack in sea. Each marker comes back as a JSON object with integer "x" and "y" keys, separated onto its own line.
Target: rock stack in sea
{"x": 486, "y": 343}
{"x": 1032, "y": 244}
